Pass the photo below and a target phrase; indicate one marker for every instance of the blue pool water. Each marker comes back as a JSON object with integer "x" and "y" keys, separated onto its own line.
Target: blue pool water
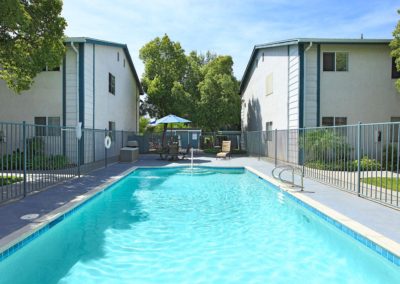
{"x": 210, "y": 226}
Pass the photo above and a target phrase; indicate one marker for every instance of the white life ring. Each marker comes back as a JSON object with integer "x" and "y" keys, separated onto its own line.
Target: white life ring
{"x": 107, "y": 142}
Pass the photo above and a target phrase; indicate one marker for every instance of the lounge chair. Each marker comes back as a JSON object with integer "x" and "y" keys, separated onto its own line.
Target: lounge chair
{"x": 225, "y": 150}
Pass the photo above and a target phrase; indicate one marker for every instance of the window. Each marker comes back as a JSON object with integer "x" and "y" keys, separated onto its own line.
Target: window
{"x": 54, "y": 126}
{"x": 395, "y": 72}
{"x": 394, "y": 129}
{"x": 268, "y": 129}
{"x": 334, "y": 121}
{"x": 335, "y": 61}
{"x": 111, "y": 129}
{"x": 111, "y": 83}
{"x": 118, "y": 56}
{"x": 269, "y": 84}
{"x": 47, "y": 126}
{"x": 263, "y": 57}
{"x": 40, "y": 126}
{"x": 47, "y": 68}
{"x": 124, "y": 63}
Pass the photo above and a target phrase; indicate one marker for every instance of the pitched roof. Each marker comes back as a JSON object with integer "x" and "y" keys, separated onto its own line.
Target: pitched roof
{"x": 296, "y": 41}
{"x": 114, "y": 44}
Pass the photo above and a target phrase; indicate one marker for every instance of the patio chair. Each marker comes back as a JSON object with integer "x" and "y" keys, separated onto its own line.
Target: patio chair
{"x": 173, "y": 152}
{"x": 185, "y": 152}
{"x": 225, "y": 150}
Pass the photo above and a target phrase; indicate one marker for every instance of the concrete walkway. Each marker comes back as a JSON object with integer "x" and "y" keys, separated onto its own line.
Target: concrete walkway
{"x": 379, "y": 218}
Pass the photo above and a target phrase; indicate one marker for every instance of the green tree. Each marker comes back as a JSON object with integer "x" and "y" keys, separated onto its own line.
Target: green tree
{"x": 395, "y": 46}
{"x": 219, "y": 103}
{"x": 165, "y": 67}
{"x": 31, "y": 37}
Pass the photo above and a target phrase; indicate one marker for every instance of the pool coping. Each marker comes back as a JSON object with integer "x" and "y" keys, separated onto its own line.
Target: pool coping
{"x": 380, "y": 244}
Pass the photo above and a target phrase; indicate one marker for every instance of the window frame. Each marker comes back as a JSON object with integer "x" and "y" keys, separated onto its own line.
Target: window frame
{"x": 54, "y": 129}
{"x": 111, "y": 130}
{"x": 111, "y": 83}
{"x": 44, "y": 128}
{"x": 334, "y": 121}
{"x": 268, "y": 130}
{"x": 40, "y": 127}
{"x": 335, "y": 61}
{"x": 395, "y": 74}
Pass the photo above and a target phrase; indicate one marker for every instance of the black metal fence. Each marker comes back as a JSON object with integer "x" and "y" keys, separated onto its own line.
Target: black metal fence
{"x": 362, "y": 158}
{"x": 33, "y": 157}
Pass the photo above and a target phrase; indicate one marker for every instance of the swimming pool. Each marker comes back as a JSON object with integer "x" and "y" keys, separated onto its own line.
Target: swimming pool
{"x": 211, "y": 225}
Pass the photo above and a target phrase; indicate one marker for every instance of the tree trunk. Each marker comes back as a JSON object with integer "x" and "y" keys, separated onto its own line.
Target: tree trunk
{"x": 164, "y": 144}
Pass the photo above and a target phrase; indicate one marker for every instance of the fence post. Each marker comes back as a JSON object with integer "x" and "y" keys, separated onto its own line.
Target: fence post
{"x": 105, "y": 149}
{"x": 358, "y": 158}
{"x": 303, "y": 159}
{"x": 78, "y": 143}
{"x": 276, "y": 147}
{"x": 25, "y": 148}
{"x": 259, "y": 146}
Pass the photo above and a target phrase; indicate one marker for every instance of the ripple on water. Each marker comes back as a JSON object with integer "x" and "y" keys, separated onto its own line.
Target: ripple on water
{"x": 205, "y": 226}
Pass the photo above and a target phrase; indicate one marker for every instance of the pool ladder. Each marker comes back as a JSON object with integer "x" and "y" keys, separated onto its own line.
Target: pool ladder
{"x": 279, "y": 170}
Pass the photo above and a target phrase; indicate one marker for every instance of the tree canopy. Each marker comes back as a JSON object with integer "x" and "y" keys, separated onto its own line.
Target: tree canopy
{"x": 31, "y": 38}
{"x": 395, "y": 46}
{"x": 199, "y": 87}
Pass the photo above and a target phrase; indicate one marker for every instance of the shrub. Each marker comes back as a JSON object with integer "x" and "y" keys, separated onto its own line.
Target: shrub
{"x": 325, "y": 145}
{"x": 42, "y": 162}
{"x": 391, "y": 164}
{"x": 14, "y": 161}
{"x": 366, "y": 164}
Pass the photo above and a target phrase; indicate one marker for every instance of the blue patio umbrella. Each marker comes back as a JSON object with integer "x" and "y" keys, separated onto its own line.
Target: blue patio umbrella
{"x": 170, "y": 119}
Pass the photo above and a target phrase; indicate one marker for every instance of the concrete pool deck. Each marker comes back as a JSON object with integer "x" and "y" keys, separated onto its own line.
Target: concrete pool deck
{"x": 383, "y": 223}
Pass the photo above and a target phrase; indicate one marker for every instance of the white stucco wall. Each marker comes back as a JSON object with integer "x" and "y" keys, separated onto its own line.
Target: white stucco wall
{"x": 293, "y": 88}
{"x": 121, "y": 107}
{"x": 71, "y": 86}
{"x": 88, "y": 86}
{"x": 43, "y": 99}
{"x": 366, "y": 92}
{"x": 258, "y": 107}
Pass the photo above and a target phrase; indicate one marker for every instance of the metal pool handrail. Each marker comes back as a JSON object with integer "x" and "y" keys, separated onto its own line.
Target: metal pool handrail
{"x": 294, "y": 170}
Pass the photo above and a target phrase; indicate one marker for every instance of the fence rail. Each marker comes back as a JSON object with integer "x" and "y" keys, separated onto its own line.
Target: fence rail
{"x": 34, "y": 157}
{"x": 362, "y": 158}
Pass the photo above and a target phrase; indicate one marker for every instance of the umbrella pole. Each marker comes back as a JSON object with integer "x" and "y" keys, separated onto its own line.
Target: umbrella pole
{"x": 164, "y": 135}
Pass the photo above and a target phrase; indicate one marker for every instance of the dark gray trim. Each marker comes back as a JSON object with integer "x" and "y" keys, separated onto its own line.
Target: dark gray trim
{"x": 94, "y": 84}
{"x": 301, "y": 86}
{"x": 112, "y": 44}
{"x": 94, "y": 100}
{"x": 64, "y": 91}
{"x": 318, "y": 84}
{"x": 64, "y": 102}
{"x": 82, "y": 98}
{"x": 296, "y": 41}
{"x": 127, "y": 54}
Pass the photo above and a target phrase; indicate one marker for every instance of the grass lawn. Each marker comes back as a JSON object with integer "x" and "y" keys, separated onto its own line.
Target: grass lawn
{"x": 389, "y": 183}
{"x": 9, "y": 180}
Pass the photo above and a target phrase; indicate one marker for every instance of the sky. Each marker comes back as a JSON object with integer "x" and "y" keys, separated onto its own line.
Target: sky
{"x": 227, "y": 27}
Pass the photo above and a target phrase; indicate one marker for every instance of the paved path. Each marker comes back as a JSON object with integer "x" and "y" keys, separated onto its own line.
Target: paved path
{"x": 382, "y": 219}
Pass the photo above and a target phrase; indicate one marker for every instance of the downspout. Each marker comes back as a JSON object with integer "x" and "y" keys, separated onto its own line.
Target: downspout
{"x": 77, "y": 81}
{"x": 77, "y": 106}
{"x": 305, "y": 81}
